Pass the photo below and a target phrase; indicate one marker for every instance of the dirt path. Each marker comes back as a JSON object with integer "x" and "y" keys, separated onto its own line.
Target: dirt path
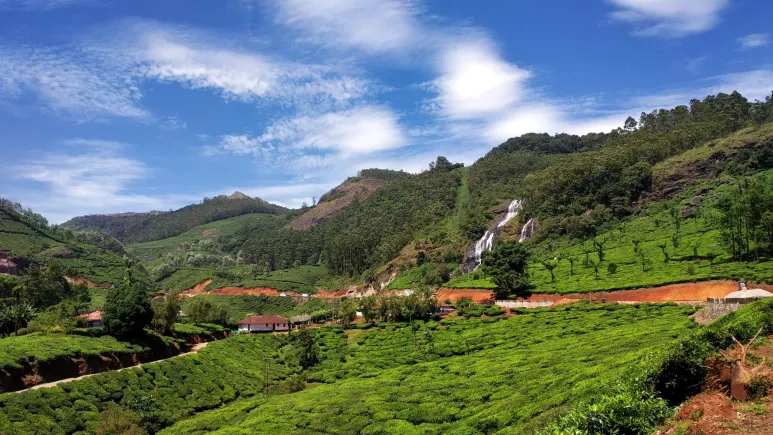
{"x": 193, "y": 350}
{"x": 684, "y": 292}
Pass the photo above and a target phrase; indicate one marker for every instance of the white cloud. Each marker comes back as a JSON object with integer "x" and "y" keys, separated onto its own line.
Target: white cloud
{"x": 94, "y": 177}
{"x": 360, "y": 130}
{"x": 669, "y": 18}
{"x": 69, "y": 81}
{"x": 475, "y": 81}
{"x": 102, "y": 75}
{"x": 754, "y": 40}
{"x": 376, "y": 26}
{"x": 204, "y": 62}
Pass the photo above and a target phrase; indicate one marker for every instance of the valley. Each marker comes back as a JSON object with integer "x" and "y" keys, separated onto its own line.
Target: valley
{"x": 558, "y": 285}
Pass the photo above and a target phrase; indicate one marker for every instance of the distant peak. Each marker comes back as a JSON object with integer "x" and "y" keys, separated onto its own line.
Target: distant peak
{"x": 238, "y": 195}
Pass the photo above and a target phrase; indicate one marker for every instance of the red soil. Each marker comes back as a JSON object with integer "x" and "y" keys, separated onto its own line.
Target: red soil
{"x": 477, "y": 296}
{"x": 197, "y": 289}
{"x": 330, "y": 294}
{"x": 257, "y": 291}
{"x": 690, "y": 291}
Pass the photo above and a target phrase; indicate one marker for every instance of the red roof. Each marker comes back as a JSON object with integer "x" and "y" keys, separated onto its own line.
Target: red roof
{"x": 96, "y": 316}
{"x": 252, "y": 320}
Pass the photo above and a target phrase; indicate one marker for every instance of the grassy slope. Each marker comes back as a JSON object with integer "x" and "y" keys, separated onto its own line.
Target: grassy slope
{"x": 653, "y": 227}
{"x": 151, "y": 251}
{"x": 240, "y": 307}
{"x": 43, "y": 347}
{"x": 513, "y": 375}
{"x": 97, "y": 264}
{"x": 301, "y": 279}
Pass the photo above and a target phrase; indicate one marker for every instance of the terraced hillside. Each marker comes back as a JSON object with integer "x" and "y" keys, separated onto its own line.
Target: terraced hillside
{"x": 28, "y": 243}
{"x": 509, "y": 375}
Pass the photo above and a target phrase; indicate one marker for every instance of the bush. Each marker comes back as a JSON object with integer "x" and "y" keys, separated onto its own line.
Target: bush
{"x": 127, "y": 311}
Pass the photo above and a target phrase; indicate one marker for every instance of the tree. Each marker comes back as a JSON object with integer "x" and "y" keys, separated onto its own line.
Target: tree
{"x": 114, "y": 420}
{"x": 630, "y": 124}
{"x": 571, "y": 265}
{"x": 599, "y": 244}
{"x": 550, "y": 265}
{"x": 507, "y": 265}
{"x": 308, "y": 351}
{"x": 201, "y": 310}
{"x": 421, "y": 258}
{"x": 347, "y": 311}
{"x": 166, "y": 310}
{"x": 369, "y": 306}
{"x": 127, "y": 311}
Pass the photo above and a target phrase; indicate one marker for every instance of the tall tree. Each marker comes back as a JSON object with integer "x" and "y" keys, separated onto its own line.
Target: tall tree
{"x": 127, "y": 311}
{"x": 507, "y": 265}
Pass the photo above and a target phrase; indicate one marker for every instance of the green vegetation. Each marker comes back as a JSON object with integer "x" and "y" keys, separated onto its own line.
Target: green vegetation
{"x": 158, "y": 394}
{"x": 127, "y": 311}
{"x": 302, "y": 279}
{"x": 239, "y": 307}
{"x": 42, "y": 347}
{"x": 92, "y": 255}
{"x": 513, "y": 375}
{"x": 639, "y": 247}
{"x": 144, "y": 227}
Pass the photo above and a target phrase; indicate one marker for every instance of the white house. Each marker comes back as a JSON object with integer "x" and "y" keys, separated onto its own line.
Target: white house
{"x": 264, "y": 324}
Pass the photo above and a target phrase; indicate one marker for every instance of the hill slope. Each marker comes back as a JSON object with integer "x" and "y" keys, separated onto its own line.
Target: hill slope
{"x": 91, "y": 255}
{"x": 144, "y": 227}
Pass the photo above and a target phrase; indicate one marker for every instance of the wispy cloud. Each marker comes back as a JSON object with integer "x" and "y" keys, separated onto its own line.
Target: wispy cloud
{"x": 669, "y": 18}
{"x": 313, "y": 141}
{"x": 102, "y": 75}
{"x": 377, "y": 26}
{"x": 754, "y": 40}
{"x": 92, "y": 176}
{"x": 69, "y": 81}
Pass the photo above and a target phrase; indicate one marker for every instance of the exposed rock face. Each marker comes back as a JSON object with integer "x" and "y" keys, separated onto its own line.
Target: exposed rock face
{"x": 8, "y": 267}
{"x": 696, "y": 200}
{"x": 687, "y": 212}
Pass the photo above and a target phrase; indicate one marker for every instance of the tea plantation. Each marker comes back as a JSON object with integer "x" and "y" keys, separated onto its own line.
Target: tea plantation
{"x": 513, "y": 375}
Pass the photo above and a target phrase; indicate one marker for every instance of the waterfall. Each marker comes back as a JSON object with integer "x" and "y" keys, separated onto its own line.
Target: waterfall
{"x": 487, "y": 241}
{"x": 512, "y": 211}
{"x": 527, "y": 231}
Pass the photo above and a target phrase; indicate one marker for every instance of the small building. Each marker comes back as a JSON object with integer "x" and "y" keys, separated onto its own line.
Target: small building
{"x": 304, "y": 319}
{"x": 746, "y": 296}
{"x": 264, "y": 324}
{"x": 445, "y": 309}
{"x": 94, "y": 319}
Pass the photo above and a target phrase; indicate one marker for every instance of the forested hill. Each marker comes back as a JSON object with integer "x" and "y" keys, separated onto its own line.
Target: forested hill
{"x": 420, "y": 226}
{"x": 145, "y": 227}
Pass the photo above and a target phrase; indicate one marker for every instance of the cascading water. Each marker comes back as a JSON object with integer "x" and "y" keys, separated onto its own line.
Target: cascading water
{"x": 527, "y": 231}
{"x": 487, "y": 241}
{"x": 512, "y": 211}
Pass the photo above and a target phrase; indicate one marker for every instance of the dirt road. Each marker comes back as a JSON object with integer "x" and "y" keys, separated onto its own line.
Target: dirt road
{"x": 193, "y": 350}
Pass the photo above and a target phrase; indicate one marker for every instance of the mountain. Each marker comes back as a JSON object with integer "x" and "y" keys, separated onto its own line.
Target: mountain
{"x": 420, "y": 228}
{"x": 144, "y": 227}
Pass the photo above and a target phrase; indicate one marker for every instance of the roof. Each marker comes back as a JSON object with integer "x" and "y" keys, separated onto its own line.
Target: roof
{"x": 749, "y": 294}
{"x": 252, "y": 320}
{"x": 446, "y": 306}
{"x": 96, "y": 316}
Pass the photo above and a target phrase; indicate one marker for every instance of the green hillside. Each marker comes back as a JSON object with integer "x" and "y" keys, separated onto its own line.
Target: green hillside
{"x": 636, "y": 244}
{"x": 510, "y": 375}
{"x": 144, "y": 227}
{"x": 100, "y": 261}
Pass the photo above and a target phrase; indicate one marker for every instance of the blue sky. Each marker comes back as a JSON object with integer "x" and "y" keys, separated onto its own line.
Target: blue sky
{"x": 110, "y": 106}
